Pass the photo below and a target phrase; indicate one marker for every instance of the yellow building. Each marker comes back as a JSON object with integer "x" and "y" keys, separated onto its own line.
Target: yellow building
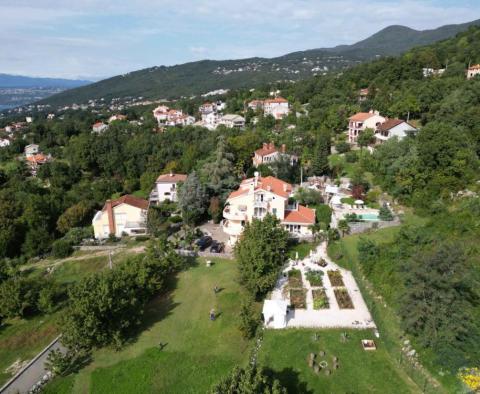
{"x": 126, "y": 215}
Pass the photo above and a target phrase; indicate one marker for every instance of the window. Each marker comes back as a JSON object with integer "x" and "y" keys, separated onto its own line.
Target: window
{"x": 274, "y": 211}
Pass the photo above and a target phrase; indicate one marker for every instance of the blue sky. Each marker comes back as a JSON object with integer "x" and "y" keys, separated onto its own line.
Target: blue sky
{"x": 99, "y": 38}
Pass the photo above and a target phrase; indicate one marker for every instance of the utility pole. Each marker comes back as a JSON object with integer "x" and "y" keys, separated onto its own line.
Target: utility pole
{"x": 408, "y": 116}
{"x": 110, "y": 265}
{"x": 301, "y": 174}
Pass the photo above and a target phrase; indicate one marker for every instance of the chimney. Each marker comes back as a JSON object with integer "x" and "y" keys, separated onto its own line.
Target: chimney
{"x": 269, "y": 188}
{"x": 111, "y": 217}
{"x": 171, "y": 173}
{"x": 285, "y": 187}
{"x": 265, "y": 145}
{"x": 284, "y": 148}
{"x": 255, "y": 178}
{"x": 271, "y": 145}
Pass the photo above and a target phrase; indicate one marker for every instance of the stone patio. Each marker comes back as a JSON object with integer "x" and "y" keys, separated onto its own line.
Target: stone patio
{"x": 333, "y": 317}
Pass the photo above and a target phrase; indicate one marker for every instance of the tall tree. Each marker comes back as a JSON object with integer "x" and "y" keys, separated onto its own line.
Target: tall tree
{"x": 192, "y": 199}
{"x": 321, "y": 152}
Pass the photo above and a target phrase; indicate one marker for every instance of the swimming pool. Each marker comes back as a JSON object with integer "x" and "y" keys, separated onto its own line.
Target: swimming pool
{"x": 369, "y": 217}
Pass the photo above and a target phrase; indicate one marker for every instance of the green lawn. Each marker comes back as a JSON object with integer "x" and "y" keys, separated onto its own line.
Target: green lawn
{"x": 285, "y": 352}
{"x": 198, "y": 351}
{"x": 303, "y": 249}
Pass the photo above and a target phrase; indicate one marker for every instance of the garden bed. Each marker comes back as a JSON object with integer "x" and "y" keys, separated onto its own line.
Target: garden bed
{"x": 320, "y": 299}
{"x": 295, "y": 279}
{"x": 298, "y": 298}
{"x": 315, "y": 278}
{"x": 336, "y": 278}
{"x": 343, "y": 298}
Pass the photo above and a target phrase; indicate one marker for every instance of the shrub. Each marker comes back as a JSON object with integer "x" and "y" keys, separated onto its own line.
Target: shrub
{"x": 385, "y": 213}
{"x": 315, "y": 278}
{"x": 351, "y": 157}
{"x": 320, "y": 299}
{"x": 62, "y": 248}
{"x": 342, "y": 147}
{"x": 323, "y": 214}
{"x": 249, "y": 320}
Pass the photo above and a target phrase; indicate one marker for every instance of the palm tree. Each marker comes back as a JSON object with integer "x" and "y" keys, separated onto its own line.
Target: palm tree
{"x": 343, "y": 227}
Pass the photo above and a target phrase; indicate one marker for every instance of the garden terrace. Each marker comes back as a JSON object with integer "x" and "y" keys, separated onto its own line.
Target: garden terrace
{"x": 298, "y": 298}
{"x": 320, "y": 299}
{"x": 295, "y": 279}
{"x": 335, "y": 278}
{"x": 315, "y": 278}
{"x": 343, "y": 298}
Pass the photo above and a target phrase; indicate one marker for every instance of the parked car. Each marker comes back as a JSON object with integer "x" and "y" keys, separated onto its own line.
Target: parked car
{"x": 204, "y": 242}
{"x": 217, "y": 247}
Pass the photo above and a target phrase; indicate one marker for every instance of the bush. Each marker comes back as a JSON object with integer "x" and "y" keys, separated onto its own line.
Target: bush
{"x": 142, "y": 238}
{"x": 17, "y": 297}
{"x": 175, "y": 219}
{"x": 48, "y": 297}
{"x": 315, "y": 278}
{"x": 351, "y": 157}
{"x": 77, "y": 234}
{"x": 249, "y": 320}
{"x": 385, "y": 213}
{"x": 323, "y": 214}
{"x": 342, "y": 147}
{"x": 62, "y": 248}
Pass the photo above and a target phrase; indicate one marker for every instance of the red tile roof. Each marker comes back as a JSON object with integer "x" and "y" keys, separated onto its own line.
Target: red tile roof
{"x": 361, "y": 116}
{"x": 266, "y": 149}
{"x": 301, "y": 215}
{"x": 268, "y": 183}
{"x": 276, "y": 100}
{"x": 390, "y": 124}
{"x": 172, "y": 177}
{"x": 130, "y": 200}
{"x": 474, "y": 67}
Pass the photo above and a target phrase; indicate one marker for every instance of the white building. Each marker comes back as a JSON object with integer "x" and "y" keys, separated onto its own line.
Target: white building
{"x": 268, "y": 154}
{"x": 473, "y": 71}
{"x": 125, "y": 215}
{"x": 361, "y": 121}
{"x": 394, "y": 128}
{"x": 432, "y": 72}
{"x": 258, "y": 196}
{"x": 29, "y": 119}
{"x": 31, "y": 150}
{"x": 166, "y": 187}
{"x": 275, "y": 313}
{"x": 277, "y": 107}
{"x": 4, "y": 142}
{"x": 172, "y": 117}
{"x": 232, "y": 121}
{"x": 99, "y": 127}
{"x": 113, "y": 118}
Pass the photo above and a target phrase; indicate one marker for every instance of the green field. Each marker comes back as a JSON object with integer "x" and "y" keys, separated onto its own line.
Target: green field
{"x": 285, "y": 352}
{"x": 197, "y": 352}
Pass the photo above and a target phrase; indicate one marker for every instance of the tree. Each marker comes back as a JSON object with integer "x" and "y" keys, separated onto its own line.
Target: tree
{"x": 322, "y": 149}
{"x": 260, "y": 253}
{"x": 77, "y": 215}
{"x": 366, "y": 138}
{"x": 368, "y": 254}
{"x": 17, "y": 297}
{"x": 385, "y": 213}
{"x": 62, "y": 248}
{"x": 343, "y": 227}
{"x": 192, "y": 199}
{"x": 251, "y": 380}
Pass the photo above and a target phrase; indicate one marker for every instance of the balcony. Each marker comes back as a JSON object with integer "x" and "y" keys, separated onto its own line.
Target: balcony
{"x": 260, "y": 204}
{"x": 233, "y": 213}
{"x": 232, "y": 228}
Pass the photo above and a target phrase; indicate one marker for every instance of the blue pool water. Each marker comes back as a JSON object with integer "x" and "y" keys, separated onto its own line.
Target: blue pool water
{"x": 369, "y": 216}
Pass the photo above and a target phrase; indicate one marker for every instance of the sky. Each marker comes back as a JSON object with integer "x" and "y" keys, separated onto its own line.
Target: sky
{"x": 93, "y": 39}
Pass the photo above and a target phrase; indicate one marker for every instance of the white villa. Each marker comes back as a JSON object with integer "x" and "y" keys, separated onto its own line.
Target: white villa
{"x": 99, "y": 127}
{"x": 125, "y": 215}
{"x": 232, "y": 121}
{"x": 172, "y": 117}
{"x": 268, "y": 154}
{"x": 277, "y": 107}
{"x": 4, "y": 142}
{"x": 166, "y": 187}
{"x": 31, "y": 150}
{"x": 258, "y": 196}
{"x": 393, "y": 128}
{"x": 361, "y": 121}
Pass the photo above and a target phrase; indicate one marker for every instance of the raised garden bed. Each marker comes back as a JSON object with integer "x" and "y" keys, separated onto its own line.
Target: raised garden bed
{"x": 343, "y": 298}
{"x": 336, "y": 278}
{"x": 298, "y": 298}
{"x": 315, "y": 278}
{"x": 295, "y": 279}
{"x": 320, "y": 299}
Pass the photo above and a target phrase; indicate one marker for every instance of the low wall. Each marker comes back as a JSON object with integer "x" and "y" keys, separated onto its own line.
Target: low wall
{"x": 361, "y": 227}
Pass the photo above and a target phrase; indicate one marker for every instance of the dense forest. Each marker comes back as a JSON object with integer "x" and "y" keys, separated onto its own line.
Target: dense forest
{"x": 434, "y": 280}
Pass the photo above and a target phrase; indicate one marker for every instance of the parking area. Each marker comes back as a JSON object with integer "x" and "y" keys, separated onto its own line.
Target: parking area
{"x": 216, "y": 232}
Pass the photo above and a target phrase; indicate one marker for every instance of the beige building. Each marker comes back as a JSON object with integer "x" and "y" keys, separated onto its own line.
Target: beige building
{"x": 166, "y": 187}
{"x": 361, "y": 121}
{"x": 473, "y": 71}
{"x": 258, "y": 196}
{"x": 125, "y": 215}
{"x": 269, "y": 154}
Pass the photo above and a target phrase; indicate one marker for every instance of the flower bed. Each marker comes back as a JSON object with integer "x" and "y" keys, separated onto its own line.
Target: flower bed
{"x": 295, "y": 279}
{"x": 298, "y": 298}
{"x": 336, "y": 278}
{"x": 320, "y": 299}
{"x": 343, "y": 298}
{"x": 315, "y": 278}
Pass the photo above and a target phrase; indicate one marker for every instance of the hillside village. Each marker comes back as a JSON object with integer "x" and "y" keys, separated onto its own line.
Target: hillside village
{"x": 283, "y": 232}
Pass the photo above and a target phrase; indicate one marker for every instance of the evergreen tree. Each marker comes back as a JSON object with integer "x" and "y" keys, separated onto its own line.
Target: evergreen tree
{"x": 192, "y": 199}
{"x": 321, "y": 151}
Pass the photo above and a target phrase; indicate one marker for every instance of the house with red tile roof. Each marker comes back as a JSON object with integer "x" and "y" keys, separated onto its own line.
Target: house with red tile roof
{"x": 166, "y": 187}
{"x": 277, "y": 107}
{"x": 362, "y": 120}
{"x": 99, "y": 127}
{"x": 126, "y": 215}
{"x": 269, "y": 154}
{"x": 258, "y": 196}
{"x": 473, "y": 71}
{"x": 393, "y": 128}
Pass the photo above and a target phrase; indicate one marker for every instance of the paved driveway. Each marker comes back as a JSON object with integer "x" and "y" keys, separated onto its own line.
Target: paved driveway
{"x": 215, "y": 230}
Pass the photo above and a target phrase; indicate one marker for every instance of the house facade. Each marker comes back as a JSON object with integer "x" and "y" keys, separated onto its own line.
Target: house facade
{"x": 31, "y": 150}
{"x": 361, "y": 121}
{"x": 473, "y": 71}
{"x": 258, "y": 196}
{"x": 232, "y": 121}
{"x": 277, "y": 107}
{"x": 125, "y": 215}
{"x": 166, "y": 187}
{"x": 99, "y": 127}
{"x": 393, "y": 128}
{"x": 269, "y": 153}
{"x": 4, "y": 142}
{"x": 172, "y": 117}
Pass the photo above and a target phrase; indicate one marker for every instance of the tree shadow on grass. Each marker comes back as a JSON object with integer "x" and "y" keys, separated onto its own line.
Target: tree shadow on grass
{"x": 290, "y": 379}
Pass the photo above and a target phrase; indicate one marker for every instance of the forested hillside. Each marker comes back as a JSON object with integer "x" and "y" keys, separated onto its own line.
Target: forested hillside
{"x": 208, "y": 75}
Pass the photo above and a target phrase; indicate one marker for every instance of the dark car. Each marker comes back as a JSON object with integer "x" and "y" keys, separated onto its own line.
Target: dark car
{"x": 204, "y": 242}
{"x": 217, "y": 247}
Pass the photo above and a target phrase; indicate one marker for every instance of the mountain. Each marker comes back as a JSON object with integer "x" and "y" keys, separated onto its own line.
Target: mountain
{"x": 208, "y": 75}
{"x": 17, "y": 90}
